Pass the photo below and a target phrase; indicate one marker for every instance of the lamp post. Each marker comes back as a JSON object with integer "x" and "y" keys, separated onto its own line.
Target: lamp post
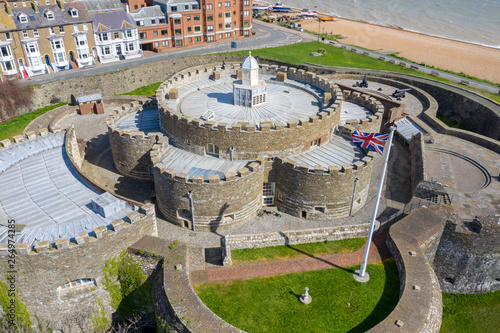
{"x": 427, "y": 58}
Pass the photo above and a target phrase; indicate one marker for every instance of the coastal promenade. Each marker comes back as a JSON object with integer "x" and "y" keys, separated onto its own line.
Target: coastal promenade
{"x": 438, "y": 73}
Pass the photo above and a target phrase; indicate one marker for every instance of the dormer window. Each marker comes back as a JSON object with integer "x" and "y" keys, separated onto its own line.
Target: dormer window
{"x": 73, "y": 12}
{"x": 22, "y": 18}
{"x": 49, "y": 15}
{"x": 24, "y": 3}
{"x": 47, "y": 2}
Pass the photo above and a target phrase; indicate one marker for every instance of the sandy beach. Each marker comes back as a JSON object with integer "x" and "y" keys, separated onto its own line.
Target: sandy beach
{"x": 476, "y": 60}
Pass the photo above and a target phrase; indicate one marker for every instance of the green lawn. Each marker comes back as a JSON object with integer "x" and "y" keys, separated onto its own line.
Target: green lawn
{"x": 147, "y": 91}
{"x": 292, "y": 251}
{"x": 451, "y": 123}
{"x": 271, "y": 304}
{"x": 299, "y": 53}
{"x": 475, "y": 313}
{"x": 16, "y": 126}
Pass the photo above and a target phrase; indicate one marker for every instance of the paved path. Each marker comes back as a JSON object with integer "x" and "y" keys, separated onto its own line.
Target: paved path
{"x": 378, "y": 252}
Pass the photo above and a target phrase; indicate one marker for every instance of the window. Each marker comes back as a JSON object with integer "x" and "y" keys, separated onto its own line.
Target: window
{"x": 173, "y": 8}
{"x": 8, "y": 65}
{"x": 210, "y": 28}
{"x": 142, "y": 35}
{"x": 246, "y": 2}
{"x": 212, "y": 149}
{"x": 246, "y": 13}
{"x": 25, "y": 34}
{"x": 210, "y": 17}
{"x": 81, "y": 40}
{"x": 228, "y": 25}
{"x": 8, "y": 36}
{"x": 220, "y": 15}
{"x": 22, "y": 18}
{"x": 316, "y": 142}
{"x": 83, "y": 54}
{"x": 155, "y": 33}
{"x": 49, "y": 15}
{"x": 165, "y": 43}
{"x": 177, "y": 20}
{"x": 153, "y": 21}
{"x": 162, "y": 21}
{"x": 186, "y": 7}
{"x": 57, "y": 44}
{"x": 227, "y": 14}
{"x": 247, "y": 33}
{"x": 14, "y": 4}
{"x": 106, "y": 50}
{"x": 139, "y": 23}
{"x": 75, "y": 27}
{"x": 220, "y": 25}
{"x": 188, "y": 18}
{"x": 164, "y": 32}
{"x": 197, "y": 39}
{"x": 220, "y": 36}
{"x": 73, "y": 12}
{"x": 227, "y": 4}
{"x": 178, "y": 42}
{"x": 47, "y": 2}
{"x": 85, "y": 26}
{"x": 129, "y": 33}
{"x": 103, "y": 37}
{"x": 5, "y": 51}
{"x": 197, "y": 17}
{"x": 60, "y": 57}
{"x": 190, "y": 39}
{"x": 61, "y": 29}
{"x": 210, "y": 6}
{"x": 157, "y": 44}
{"x": 76, "y": 284}
{"x": 178, "y": 32}
{"x": 228, "y": 35}
{"x": 280, "y": 195}
{"x": 268, "y": 194}
{"x": 197, "y": 28}
{"x": 136, "y": 7}
{"x": 129, "y": 46}
{"x": 247, "y": 23}
{"x": 195, "y": 6}
{"x": 189, "y": 29}
{"x": 210, "y": 38}
{"x": 24, "y": 3}
{"x": 51, "y": 30}
{"x": 219, "y": 4}
{"x": 116, "y": 35}
{"x": 32, "y": 48}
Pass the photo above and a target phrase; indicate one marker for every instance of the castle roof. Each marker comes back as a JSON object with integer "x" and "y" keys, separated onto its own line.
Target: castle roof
{"x": 250, "y": 62}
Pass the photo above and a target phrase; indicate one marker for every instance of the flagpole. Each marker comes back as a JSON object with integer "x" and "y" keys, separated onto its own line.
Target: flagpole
{"x": 377, "y": 201}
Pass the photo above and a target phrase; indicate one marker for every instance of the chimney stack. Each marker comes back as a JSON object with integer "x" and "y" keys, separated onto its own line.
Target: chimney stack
{"x": 34, "y": 5}
{"x": 7, "y": 8}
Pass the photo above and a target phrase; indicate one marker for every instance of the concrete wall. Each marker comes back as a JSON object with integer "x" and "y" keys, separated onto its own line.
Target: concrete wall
{"x": 468, "y": 257}
{"x": 418, "y": 164}
{"x": 310, "y": 192}
{"x": 131, "y": 149}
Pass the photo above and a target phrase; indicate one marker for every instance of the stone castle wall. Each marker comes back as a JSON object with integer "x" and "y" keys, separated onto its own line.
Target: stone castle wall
{"x": 468, "y": 257}
{"x": 131, "y": 149}
{"x": 310, "y": 192}
{"x": 374, "y": 122}
{"x": 218, "y": 203}
{"x": 249, "y": 142}
{"x": 418, "y": 161}
{"x": 41, "y": 272}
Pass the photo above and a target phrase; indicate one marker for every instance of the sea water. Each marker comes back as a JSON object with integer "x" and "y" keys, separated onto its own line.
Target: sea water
{"x": 476, "y": 22}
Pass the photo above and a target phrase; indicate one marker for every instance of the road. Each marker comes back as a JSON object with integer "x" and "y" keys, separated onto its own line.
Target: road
{"x": 265, "y": 36}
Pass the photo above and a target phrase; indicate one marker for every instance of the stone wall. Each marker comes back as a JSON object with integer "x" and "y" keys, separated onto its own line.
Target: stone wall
{"x": 312, "y": 193}
{"x": 131, "y": 149}
{"x": 41, "y": 272}
{"x": 418, "y": 165}
{"x": 248, "y": 141}
{"x": 374, "y": 122}
{"x": 420, "y": 305}
{"x": 218, "y": 203}
{"x": 468, "y": 257}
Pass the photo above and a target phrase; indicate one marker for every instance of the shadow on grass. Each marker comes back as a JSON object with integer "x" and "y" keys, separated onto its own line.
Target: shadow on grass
{"x": 388, "y": 300}
{"x": 287, "y": 244}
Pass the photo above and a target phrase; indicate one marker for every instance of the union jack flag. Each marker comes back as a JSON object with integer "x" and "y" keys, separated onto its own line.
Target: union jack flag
{"x": 372, "y": 141}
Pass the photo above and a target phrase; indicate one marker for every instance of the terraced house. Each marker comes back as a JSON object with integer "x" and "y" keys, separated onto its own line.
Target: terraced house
{"x": 43, "y": 39}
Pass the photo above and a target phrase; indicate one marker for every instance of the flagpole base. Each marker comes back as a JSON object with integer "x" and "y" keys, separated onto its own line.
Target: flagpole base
{"x": 358, "y": 278}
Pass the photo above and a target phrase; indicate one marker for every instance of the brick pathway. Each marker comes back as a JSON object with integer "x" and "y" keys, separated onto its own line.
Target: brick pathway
{"x": 378, "y": 252}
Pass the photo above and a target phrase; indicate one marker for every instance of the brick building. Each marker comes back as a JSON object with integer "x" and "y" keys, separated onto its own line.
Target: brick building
{"x": 45, "y": 38}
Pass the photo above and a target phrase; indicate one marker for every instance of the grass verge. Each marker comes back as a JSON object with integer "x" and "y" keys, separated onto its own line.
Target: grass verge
{"x": 17, "y": 125}
{"x": 298, "y": 250}
{"x": 471, "y": 313}
{"x": 272, "y": 305}
{"x": 451, "y": 123}
{"x": 147, "y": 91}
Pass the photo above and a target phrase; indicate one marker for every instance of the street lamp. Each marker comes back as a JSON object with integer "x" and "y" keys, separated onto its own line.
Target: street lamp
{"x": 427, "y": 58}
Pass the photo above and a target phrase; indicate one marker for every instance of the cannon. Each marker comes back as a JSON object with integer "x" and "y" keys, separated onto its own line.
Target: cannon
{"x": 400, "y": 93}
{"x": 364, "y": 83}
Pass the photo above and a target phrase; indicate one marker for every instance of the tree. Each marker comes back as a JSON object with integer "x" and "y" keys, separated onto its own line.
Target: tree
{"x": 13, "y": 96}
